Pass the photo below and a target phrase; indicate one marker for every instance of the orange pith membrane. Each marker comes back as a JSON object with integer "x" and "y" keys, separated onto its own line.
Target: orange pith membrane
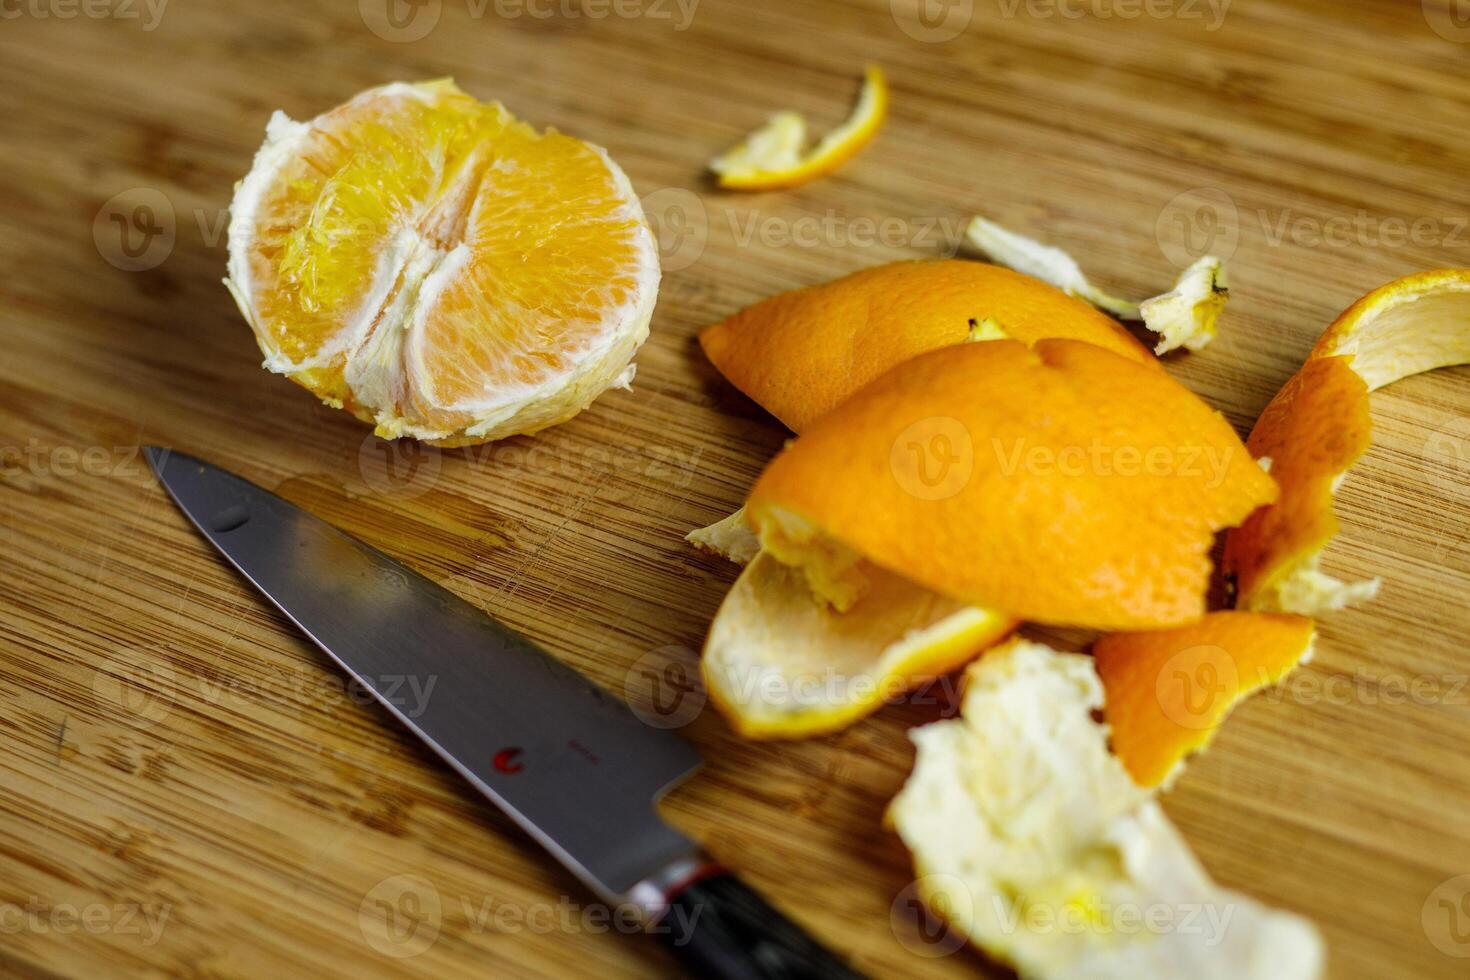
{"x": 437, "y": 267}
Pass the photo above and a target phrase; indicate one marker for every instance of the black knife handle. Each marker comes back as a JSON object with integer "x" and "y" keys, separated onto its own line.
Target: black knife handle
{"x": 720, "y": 929}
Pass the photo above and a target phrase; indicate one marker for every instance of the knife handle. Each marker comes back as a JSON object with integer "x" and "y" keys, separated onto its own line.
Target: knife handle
{"x": 721, "y": 929}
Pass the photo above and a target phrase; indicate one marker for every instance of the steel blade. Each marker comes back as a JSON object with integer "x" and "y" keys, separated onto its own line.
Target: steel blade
{"x": 568, "y": 762}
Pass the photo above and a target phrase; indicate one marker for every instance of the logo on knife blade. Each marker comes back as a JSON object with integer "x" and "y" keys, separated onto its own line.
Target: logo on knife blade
{"x": 505, "y": 761}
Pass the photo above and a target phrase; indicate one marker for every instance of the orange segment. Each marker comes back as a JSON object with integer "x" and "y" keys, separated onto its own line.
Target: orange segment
{"x": 1060, "y": 483}
{"x": 439, "y": 268}
{"x": 1318, "y": 425}
{"x": 1168, "y": 691}
{"x": 775, "y": 155}
{"x": 801, "y": 353}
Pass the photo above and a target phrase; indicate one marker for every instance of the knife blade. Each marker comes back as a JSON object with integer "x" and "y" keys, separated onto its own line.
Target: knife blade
{"x": 569, "y": 763}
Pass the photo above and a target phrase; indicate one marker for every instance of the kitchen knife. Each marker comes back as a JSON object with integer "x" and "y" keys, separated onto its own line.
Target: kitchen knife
{"x": 565, "y": 760}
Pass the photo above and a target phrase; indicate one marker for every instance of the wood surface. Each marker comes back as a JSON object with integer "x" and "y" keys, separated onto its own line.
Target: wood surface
{"x": 169, "y": 746}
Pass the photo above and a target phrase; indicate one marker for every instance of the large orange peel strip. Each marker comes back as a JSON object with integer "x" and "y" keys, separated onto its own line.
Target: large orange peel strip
{"x": 1186, "y": 316}
{"x": 1030, "y": 839}
{"x": 776, "y": 155}
{"x": 1318, "y": 425}
{"x": 800, "y": 354}
{"x": 1059, "y": 483}
{"x": 1169, "y": 691}
{"x": 779, "y": 664}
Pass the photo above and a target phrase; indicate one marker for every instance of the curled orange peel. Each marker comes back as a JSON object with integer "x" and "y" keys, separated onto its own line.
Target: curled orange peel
{"x": 1169, "y": 691}
{"x": 776, "y": 155}
{"x": 1318, "y": 425}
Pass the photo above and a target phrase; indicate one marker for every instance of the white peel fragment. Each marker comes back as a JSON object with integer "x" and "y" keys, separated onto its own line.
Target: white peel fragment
{"x": 1045, "y": 262}
{"x": 1306, "y": 590}
{"x": 1030, "y": 838}
{"x": 729, "y": 538}
{"x": 1187, "y": 315}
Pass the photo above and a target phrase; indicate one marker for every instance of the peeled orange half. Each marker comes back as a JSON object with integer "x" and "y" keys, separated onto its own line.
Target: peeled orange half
{"x": 438, "y": 268}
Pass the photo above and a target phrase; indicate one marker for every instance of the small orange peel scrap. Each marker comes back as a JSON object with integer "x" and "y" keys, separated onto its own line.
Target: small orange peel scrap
{"x": 1013, "y": 478}
{"x": 1169, "y": 691}
{"x": 1186, "y": 316}
{"x": 776, "y": 155}
{"x": 1318, "y": 425}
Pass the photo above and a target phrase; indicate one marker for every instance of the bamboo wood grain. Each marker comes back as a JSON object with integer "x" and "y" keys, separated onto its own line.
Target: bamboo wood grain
{"x": 170, "y": 746}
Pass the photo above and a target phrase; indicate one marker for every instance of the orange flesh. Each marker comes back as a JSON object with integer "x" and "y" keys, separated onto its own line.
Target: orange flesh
{"x": 519, "y": 249}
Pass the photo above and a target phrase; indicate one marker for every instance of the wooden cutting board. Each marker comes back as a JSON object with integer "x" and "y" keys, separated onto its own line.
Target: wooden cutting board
{"x": 186, "y": 788}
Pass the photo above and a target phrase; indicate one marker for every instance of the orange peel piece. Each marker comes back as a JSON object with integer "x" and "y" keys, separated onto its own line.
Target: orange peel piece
{"x": 802, "y": 353}
{"x": 1185, "y": 316}
{"x": 1030, "y": 839}
{"x": 729, "y": 537}
{"x": 779, "y": 664}
{"x": 1318, "y": 425}
{"x": 775, "y": 156}
{"x": 1169, "y": 691}
{"x": 1013, "y": 478}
